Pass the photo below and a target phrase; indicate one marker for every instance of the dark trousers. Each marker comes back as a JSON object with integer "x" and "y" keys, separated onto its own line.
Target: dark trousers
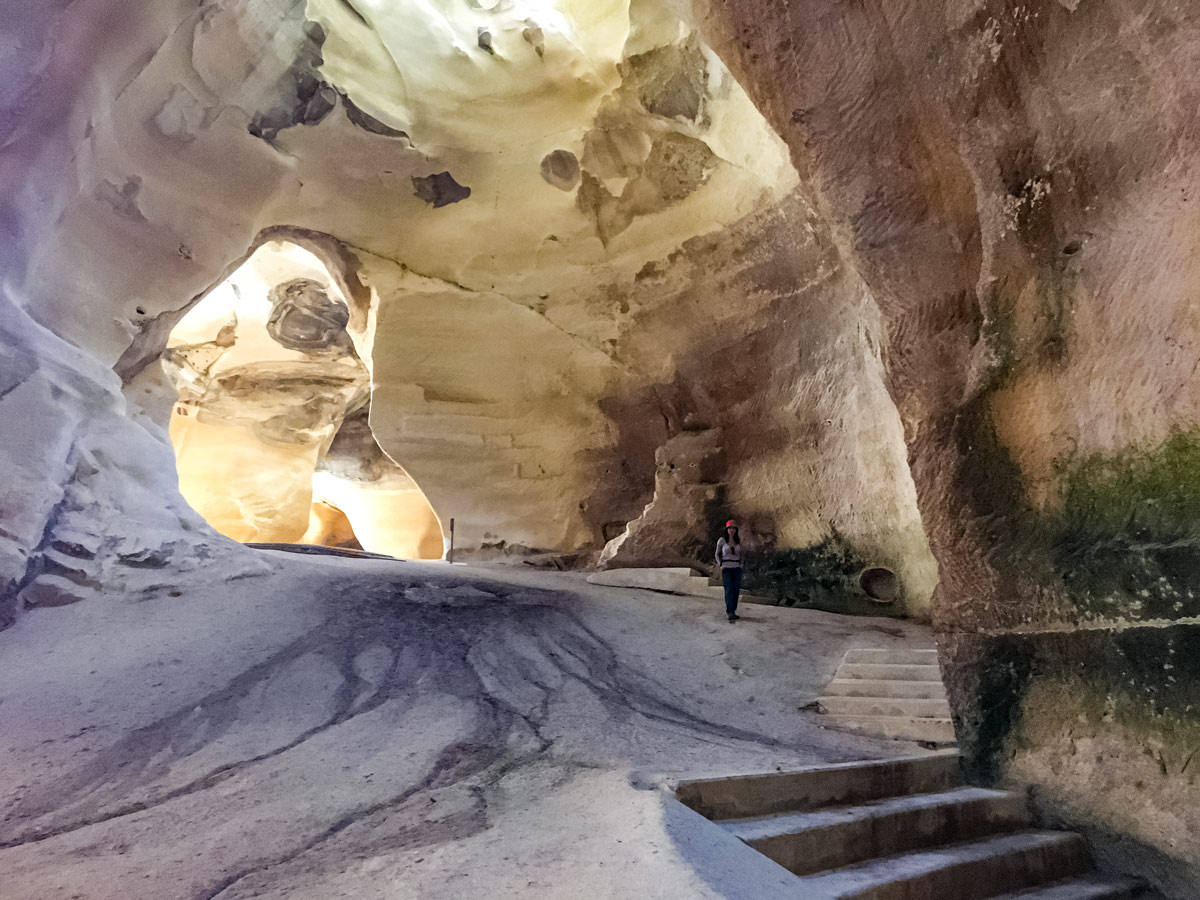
{"x": 732, "y": 579}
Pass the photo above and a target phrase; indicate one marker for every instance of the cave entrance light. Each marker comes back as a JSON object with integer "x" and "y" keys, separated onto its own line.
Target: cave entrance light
{"x": 270, "y": 429}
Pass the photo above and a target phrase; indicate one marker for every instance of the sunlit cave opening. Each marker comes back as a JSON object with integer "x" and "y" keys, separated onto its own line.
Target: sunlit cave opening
{"x": 270, "y": 429}
{"x": 521, "y": 201}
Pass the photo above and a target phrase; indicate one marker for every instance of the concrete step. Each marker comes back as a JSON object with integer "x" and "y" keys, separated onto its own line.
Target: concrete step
{"x": 810, "y": 842}
{"x": 746, "y": 796}
{"x": 861, "y": 687}
{"x": 1088, "y": 887}
{"x": 896, "y": 728}
{"x": 671, "y": 580}
{"x": 979, "y": 870}
{"x": 885, "y": 706}
{"x": 874, "y": 672}
{"x": 897, "y": 657}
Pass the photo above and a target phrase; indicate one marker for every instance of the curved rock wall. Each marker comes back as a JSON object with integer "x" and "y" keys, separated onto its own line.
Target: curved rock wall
{"x": 940, "y": 298}
{"x": 779, "y": 351}
{"x": 540, "y": 308}
{"x": 1015, "y": 185}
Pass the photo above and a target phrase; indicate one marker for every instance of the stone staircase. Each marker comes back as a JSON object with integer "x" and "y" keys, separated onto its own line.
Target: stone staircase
{"x": 902, "y": 829}
{"x": 896, "y": 694}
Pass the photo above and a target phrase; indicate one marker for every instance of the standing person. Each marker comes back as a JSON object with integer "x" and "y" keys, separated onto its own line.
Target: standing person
{"x": 729, "y": 558}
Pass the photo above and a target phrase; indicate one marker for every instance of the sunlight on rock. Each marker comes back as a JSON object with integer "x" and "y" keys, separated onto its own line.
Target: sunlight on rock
{"x": 267, "y": 375}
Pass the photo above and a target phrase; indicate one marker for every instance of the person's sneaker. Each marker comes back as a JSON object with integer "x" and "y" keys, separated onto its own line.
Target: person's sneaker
{"x": 733, "y": 618}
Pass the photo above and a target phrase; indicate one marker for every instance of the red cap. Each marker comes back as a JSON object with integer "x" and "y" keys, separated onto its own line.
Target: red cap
{"x": 731, "y": 524}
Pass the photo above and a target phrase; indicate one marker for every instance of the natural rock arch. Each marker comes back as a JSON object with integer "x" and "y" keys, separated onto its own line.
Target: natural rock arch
{"x": 574, "y": 296}
{"x": 270, "y": 427}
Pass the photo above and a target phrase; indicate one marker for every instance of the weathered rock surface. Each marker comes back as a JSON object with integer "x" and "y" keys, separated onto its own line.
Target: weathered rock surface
{"x": 260, "y": 401}
{"x": 53, "y": 590}
{"x": 349, "y": 727}
{"x": 304, "y": 317}
{"x": 85, "y": 493}
{"x": 1014, "y": 185}
{"x": 533, "y": 334}
{"x": 926, "y": 269}
{"x": 673, "y": 529}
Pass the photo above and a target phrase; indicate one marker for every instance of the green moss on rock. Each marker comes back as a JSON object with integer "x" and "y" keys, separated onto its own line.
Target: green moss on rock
{"x": 1129, "y": 541}
{"x": 1138, "y": 494}
{"x": 821, "y": 576}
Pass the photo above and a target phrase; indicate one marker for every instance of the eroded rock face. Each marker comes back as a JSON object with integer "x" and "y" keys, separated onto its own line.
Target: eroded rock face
{"x": 924, "y": 272}
{"x": 260, "y": 403}
{"x": 561, "y": 169}
{"x": 304, "y": 317}
{"x": 378, "y": 498}
{"x": 529, "y": 346}
{"x": 1030, "y": 240}
{"x": 270, "y": 427}
{"x": 87, "y": 504}
{"x": 673, "y": 529}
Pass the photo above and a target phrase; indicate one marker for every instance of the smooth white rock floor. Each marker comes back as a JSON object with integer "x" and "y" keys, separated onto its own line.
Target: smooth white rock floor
{"x": 375, "y": 729}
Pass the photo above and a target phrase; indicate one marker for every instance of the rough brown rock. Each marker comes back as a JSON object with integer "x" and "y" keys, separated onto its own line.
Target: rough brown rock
{"x": 674, "y": 527}
{"x": 1014, "y": 185}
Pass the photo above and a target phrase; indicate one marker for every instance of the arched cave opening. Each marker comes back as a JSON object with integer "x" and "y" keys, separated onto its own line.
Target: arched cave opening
{"x": 910, "y": 296}
{"x": 271, "y": 428}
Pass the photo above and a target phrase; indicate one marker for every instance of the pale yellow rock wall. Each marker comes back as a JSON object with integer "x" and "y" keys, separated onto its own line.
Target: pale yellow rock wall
{"x": 243, "y": 487}
{"x": 391, "y": 516}
{"x": 501, "y": 331}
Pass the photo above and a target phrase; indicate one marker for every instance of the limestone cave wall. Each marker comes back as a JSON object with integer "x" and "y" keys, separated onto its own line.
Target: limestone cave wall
{"x": 916, "y": 278}
{"x": 1015, "y": 183}
{"x": 562, "y": 247}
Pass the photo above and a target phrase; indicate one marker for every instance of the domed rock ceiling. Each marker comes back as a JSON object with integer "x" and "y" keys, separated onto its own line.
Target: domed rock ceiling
{"x": 563, "y": 235}
{"x": 901, "y": 285}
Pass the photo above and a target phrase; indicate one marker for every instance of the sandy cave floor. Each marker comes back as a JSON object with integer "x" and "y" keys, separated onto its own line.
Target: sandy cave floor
{"x": 375, "y": 729}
